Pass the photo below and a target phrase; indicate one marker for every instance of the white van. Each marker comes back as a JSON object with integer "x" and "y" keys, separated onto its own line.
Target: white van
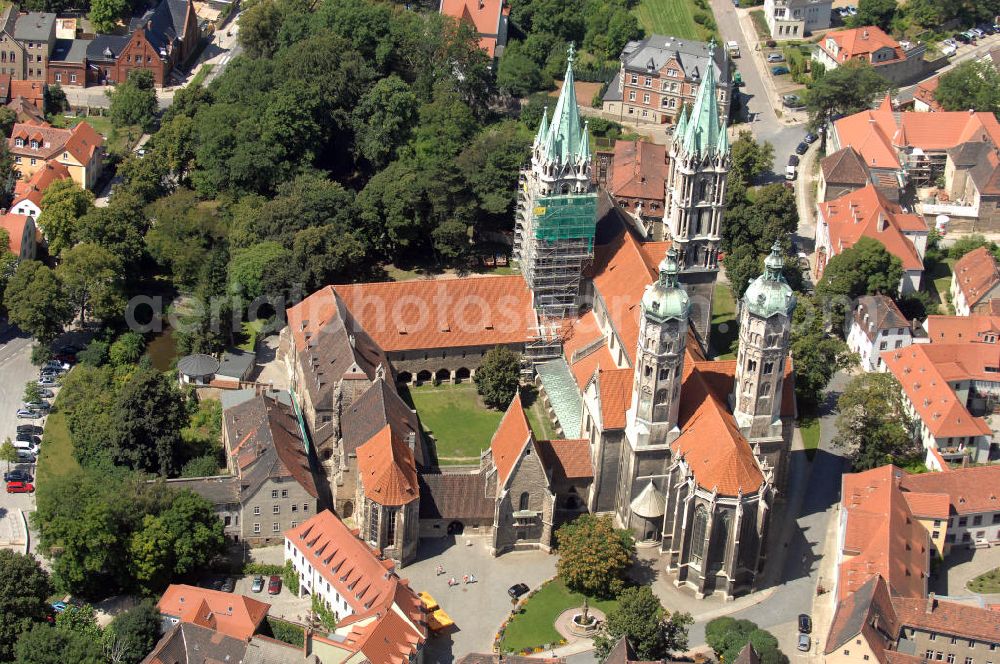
{"x": 25, "y": 446}
{"x": 792, "y": 170}
{"x": 733, "y": 48}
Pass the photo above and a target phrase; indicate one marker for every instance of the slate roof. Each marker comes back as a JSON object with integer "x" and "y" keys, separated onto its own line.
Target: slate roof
{"x": 186, "y": 643}
{"x": 868, "y": 611}
{"x": 70, "y": 50}
{"x": 35, "y": 26}
{"x": 454, "y": 496}
{"x": 236, "y": 363}
{"x": 387, "y": 471}
{"x": 264, "y": 650}
{"x": 845, "y": 166}
{"x": 985, "y": 172}
{"x": 197, "y": 364}
{"x": 220, "y": 490}
{"x": 166, "y": 23}
{"x": 106, "y": 48}
{"x": 656, "y": 50}
{"x": 381, "y": 405}
{"x": 874, "y": 313}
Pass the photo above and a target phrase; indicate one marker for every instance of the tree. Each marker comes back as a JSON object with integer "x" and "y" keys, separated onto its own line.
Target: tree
{"x": 874, "y": 12}
{"x": 971, "y": 85}
{"x": 594, "y": 555}
{"x": 850, "y": 88}
{"x": 519, "y": 74}
{"x": 7, "y": 119}
{"x": 147, "y": 419}
{"x": 967, "y": 243}
{"x": 202, "y": 466}
{"x": 865, "y": 268}
{"x": 44, "y": 645}
{"x": 32, "y": 393}
{"x": 873, "y": 426}
{"x": 263, "y": 269}
{"x": 132, "y": 634}
{"x": 728, "y": 636}
{"x": 63, "y": 203}
{"x": 817, "y": 355}
{"x": 93, "y": 279}
{"x": 80, "y": 619}
{"x": 652, "y": 630}
{"x": 55, "y": 99}
{"x": 8, "y": 265}
{"x": 750, "y": 159}
{"x": 133, "y": 102}
{"x": 183, "y": 235}
{"x": 24, "y": 592}
{"x": 127, "y": 349}
{"x": 95, "y": 354}
{"x": 104, "y": 14}
{"x": 36, "y": 301}
{"x": 383, "y": 119}
{"x": 498, "y": 377}
{"x": 8, "y": 453}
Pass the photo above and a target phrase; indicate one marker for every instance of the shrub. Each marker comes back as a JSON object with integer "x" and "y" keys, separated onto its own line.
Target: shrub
{"x": 290, "y": 578}
{"x": 263, "y": 569}
{"x": 287, "y": 632}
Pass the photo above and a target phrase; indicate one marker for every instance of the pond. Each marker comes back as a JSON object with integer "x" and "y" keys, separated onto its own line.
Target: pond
{"x": 162, "y": 350}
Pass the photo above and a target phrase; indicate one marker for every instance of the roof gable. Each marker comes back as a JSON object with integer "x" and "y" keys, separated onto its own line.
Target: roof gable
{"x": 510, "y": 439}
{"x": 387, "y": 471}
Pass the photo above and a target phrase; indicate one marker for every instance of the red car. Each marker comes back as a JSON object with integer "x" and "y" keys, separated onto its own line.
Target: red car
{"x": 20, "y": 487}
{"x": 274, "y": 585}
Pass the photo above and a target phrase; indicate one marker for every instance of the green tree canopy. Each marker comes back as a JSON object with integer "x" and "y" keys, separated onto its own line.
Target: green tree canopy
{"x": 44, "y": 645}
{"x": 263, "y": 269}
{"x": 594, "y": 555}
{"x": 873, "y": 426}
{"x": 850, "y": 88}
{"x": 967, "y": 243}
{"x": 104, "y": 14}
{"x": 36, "y": 301}
{"x": 127, "y": 349}
{"x": 728, "y": 636}
{"x": 63, "y": 203}
{"x": 93, "y": 279}
{"x": 866, "y": 268}
{"x": 971, "y": 85}
{"x": 148, "y": 416}
{"x": 498, "y": 377}
{"x": 653, "y": 631}
{"x": 132, "y": 634}
{"x": 24, "y": 592}
{"x": 383, "y": 120}
{"x": 133, "y": 102}
{"x": 817, "y": 355}
{"x": 874, "y": 12}
{"x": 750, "y": 159}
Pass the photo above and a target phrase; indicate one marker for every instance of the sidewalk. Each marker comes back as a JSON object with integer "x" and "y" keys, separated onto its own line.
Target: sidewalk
{"x": 784, "y": 115}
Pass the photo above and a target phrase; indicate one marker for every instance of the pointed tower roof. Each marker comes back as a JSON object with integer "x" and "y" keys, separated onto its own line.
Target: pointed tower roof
{"x": 682, "y": 123}
{"x": 585, "y": 143}
{"x": 564, "y": 141}
{"x": 886, "y": 104}
{"x": 543, "y": 127}
{"x": 650, "y": 503}
{"x": 701, "y": 133}
{"x": 665, "y": 298}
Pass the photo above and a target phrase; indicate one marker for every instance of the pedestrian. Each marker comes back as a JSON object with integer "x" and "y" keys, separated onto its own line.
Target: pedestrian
{"x": 466, "y": 579}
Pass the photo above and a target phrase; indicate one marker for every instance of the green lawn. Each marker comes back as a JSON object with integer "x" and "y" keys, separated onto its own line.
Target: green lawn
{"x": 202, "y": 74}
{"x": 57, "y": 450}
{"x": 986, "y": 583}
{"x": 457, "y": 420}
{"x": 723, "y": 336}
{"x": 809, "y": 428}
{"x": 118, "y": 140}
{"x": 538, "y": 419}
{"x": 668, "y": 17}
{"x": 250, "y": 331}
{"x": 534, "y": 626}
{"x": 939, "y": 284}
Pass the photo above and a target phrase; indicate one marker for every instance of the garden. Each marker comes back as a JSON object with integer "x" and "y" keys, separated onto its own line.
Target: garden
{"x": 986, "y": 583}
{"x": 456, "y": 418}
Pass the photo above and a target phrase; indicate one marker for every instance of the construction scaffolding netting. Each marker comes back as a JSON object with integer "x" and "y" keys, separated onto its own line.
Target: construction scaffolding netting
{"x": 569, "y": 217}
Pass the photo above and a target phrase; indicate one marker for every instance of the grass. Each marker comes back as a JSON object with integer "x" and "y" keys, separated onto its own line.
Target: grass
{"x": 460, "y": 424}
{"x": 538, "y": 419}
{"x": 534, "y": 625}
{"x": 668, "y": 17}
{"x": 939, "y": 281}
{"x": 202, "y": 74}
{"x": 57, "y": 451}
{"x": 809, "y": 428}
{"x": 760, "y": 24}
{"x": 725, "y": 329}
{"x": 986, "y": 583}
{"x": 118, "y": 139}
{"x": 250, "y": 331}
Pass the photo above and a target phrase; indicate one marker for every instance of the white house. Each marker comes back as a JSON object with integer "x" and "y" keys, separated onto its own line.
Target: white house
{"x": 876, "y": 325}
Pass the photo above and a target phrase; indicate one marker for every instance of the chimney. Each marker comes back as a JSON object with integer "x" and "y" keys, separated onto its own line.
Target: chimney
{"x": 931, "y": 603}
{"x": 864, "y": 35}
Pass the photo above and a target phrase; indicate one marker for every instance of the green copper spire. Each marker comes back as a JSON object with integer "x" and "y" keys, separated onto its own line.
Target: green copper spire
{"x": 770, "y": 294}
{"x": 701, "y": 134}
{"x": 585, "y": 143}
{"x": 543, "y": 128}
{"x": 682, "y": 123}
{"x": 665, "y": 298}
{"x": 565, "y": 141}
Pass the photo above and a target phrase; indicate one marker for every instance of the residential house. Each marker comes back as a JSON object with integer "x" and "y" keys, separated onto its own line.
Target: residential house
{"x": 864, "y": 625}
{"x": 235, "y": 616}
{"x": 972, "y": 181}
{"x": 36, "y": 31}
{"x": 923, "y": 96}
{"x": 490, "y": 18}
{"x": 796, "y": 19}
{"x": 841, "y": 173}
{"x": 972, "y": 514}
{"x": 235, "y": 368}
{"x": 898, "y": 62}
{"x": 21, "y": 231}
{"x": 190, "y": 643}
{"x": 660, "y": 74}
{"x": 974, "y": 328}
{"x": 28, "y": 193}
{"x": 875, "y": 325}
{"x": 637, "y": 183}
{"x": 79, "y": 149}
{"x": 866, "y": 213}
{"x": 33, "y": 92}
{"x": 12, "y": 51}
{"x": 68, "y": 63}
{"x": 943, "y": 384}
{"x": 493, "y": 658}
{"x": 975, "y": 282}
{"x": 377, "y": 612}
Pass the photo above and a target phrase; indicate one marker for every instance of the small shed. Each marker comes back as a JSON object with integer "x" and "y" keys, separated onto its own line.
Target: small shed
{"x": 197, "y": 369}
{"x": 235, "y": 368}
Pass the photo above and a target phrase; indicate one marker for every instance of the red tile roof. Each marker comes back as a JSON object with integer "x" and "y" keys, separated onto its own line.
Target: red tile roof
{"x": 951, "y": 618}
{"x": 14, "y": 225}
{"x": 567, "y": 459}
{"x": 976, "y": 274}
{"x": 866, "y": 213}
{"x": 33, "y": 91}
{"x": 484, "y": 15}
{"x": 81, "y": 141}
{"x": 510, "y": 439}
{"x": 387, "y": 471}
{"x": 925, "y": 92}
{"x": 963, "y": 329}
{"x": 233, "y": 615}
{"x": 639, "y": 170}
{"x": 924, "y": 371}
{"x": 34, "y": 188}
{"x": 425, "y": 313}
{"x": 862, "y": 43}
{"x": 615, "y": 389}
{"x": 867, "y": 612}
{"x": 882, "y": 535}
{"x": 969, "y": 490}
{"x": 927, "y": 505}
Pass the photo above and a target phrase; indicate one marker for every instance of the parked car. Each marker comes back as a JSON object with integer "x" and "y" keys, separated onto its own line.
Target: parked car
{"x": 47, "y": 381}
{"x": 852, "y": 10}
{"x": 274, "y": 585}
{"x": 46, "y": 393}
{"x": 55, "y": 365}
{"x": 949, "y": 49}
{"x": 58, "y": 607}
{"x": 810, "y": 138}
{"x": 779, "y": 71}
{"x": 975, "y": 32}
{"x": 51, "y": 371}
{"x": 805, "y": 623}
{"x": 29, "y": 438}
{"x": 775, "y": 57}
{"x": 29, "y": 428}
{"x": 25, "y": 446}
{"x": 17, "y": 475}
{"x": 257, "y": 585}
{"x": 517, "y": 590}
{"x": 23, "y": 456}
{"x": 962, "y": 37}
{"x": 25, "y": 414}
{"x": 20, "y": 487}
{"x": 228, "y": 585}
{"x": 792, "y": 101}
{"x": 802, "y": 148}
{"x": 804, "y": 642}
{"x": 792, "y": 169}
{"x": 37, "y": 405}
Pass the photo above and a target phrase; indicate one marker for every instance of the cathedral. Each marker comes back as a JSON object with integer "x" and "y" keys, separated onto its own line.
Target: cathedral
{"x": 686, "y": 453}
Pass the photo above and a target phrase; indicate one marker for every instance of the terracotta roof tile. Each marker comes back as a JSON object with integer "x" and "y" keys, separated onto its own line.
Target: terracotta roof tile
{"x": 567, "y": 459}
{"x": 934, "y": 505}
{"x": 30, "y": 90}
{"x": 639, "y": 170}
{"x": 969, "y": 490}
{"x": 233, "y": 615}
{"x": 866, "y": 213}
{"x": 615, "y": 388}
{"x": 862, "y": 43}
{"x": 867, "y": 612}
{"x": 387, "y": 471}
{"x": 14, "y": 225}
{"x": 510, "y": 439}
{"x": 977, "y": 275}
{"x": 951, "y": 618}
{"x": 34, "y": 188}
{"x": 925, "y": 92}
{"x": 963, "y": 329}
{"x": 484, "y": 15}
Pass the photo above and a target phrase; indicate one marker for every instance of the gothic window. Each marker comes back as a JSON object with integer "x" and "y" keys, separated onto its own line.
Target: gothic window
{"x": 390, "y": 526}
{"x": 768, "y": 367}
{"x": 765, "y": 390}
{"x": 702, "y": 190}
{"x": 372, "y": 522}
{"x": 664, "y": 373}
{"x": 698, "y": 534}
{"x": 720, "y": 538}
{"x": 522, "y": 504}
{"x": 751, "y": 365}
{"x": 661, "y": 397}
{"x": 647, "y": 371}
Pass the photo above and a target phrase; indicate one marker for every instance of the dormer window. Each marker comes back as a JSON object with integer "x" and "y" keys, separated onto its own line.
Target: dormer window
{"x": 34, "y": 144}
{"x": 19, "y": 142}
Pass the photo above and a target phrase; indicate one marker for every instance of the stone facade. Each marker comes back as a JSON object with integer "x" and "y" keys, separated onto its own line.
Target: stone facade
{"x": 524, "y": 504}
{"x": 395, "y": 531}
